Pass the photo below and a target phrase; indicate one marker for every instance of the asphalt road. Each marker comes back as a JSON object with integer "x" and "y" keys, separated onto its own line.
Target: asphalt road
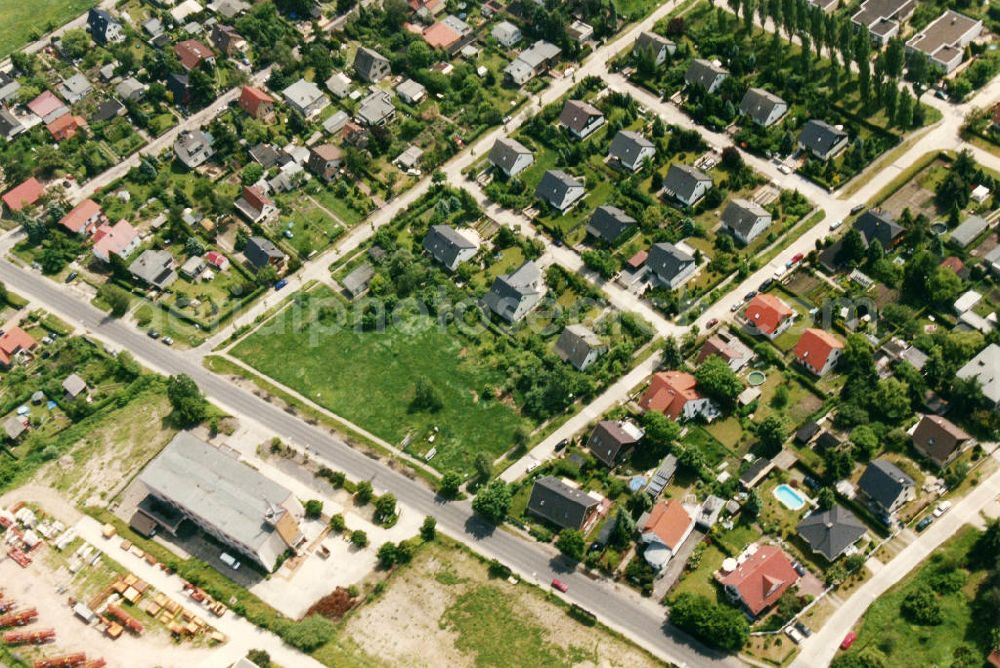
{"x": 619, "y": 607}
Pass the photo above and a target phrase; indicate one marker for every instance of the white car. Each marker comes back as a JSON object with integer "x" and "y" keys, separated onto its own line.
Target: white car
{"x": 785, "y": 169}
{"x": 835, "y": 224}
{"x": 230, "y": 560}
{"x": 942, "y": 508}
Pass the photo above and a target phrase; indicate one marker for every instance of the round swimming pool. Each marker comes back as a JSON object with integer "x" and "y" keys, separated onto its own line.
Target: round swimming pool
{"x": 789, "y": 497}
{"x": 756, "y": 378}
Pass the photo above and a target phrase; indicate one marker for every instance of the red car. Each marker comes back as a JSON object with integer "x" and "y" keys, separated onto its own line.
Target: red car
{"x": 560, "y": 585}
{"x": 711, "y": 323}
{"x": 797, "y": 258}
{"x": 849, "y": 640}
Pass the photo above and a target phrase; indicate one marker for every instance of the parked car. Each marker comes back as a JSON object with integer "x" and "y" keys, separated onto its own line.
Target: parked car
{"x": 942, "y": 508}
{"x": 561, "y": 445}
{"x": 803, "y": 629}
{"x": 794, "y": 634}
{"x": 168, "y": 341}
{"x": 924, "y": 523}
{"x": 230, "y": 560}
{"x": 750, "y": 295}
{"x": 71, "y": 276}
{"x": 768, "y": 282}
{"x": 835, "y": 224}
{"x": 848, "y": 640}
{"x": 280, "y": 284}
{"x": 857, "y": 208}
{"x": 735, "y": 307}
{"x": 797, "y": 258}
{"x": 153, "y": 334}
{"x": 711, "y": 323}
{"x": 560, "y": 585}
{"x": 785, "y": 169}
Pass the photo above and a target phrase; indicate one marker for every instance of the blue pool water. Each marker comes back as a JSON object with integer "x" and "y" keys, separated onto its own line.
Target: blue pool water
{"x": 790, "y": 498}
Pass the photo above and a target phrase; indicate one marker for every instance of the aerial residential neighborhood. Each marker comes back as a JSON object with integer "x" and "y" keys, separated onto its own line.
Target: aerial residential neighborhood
{"x": 499, "y": 333}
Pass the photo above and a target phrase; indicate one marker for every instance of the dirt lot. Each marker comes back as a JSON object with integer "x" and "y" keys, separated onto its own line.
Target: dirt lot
{"x": 444, "y": 609}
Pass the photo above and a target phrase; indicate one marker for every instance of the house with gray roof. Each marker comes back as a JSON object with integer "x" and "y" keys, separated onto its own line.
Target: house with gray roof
{"x": 531, "y": 62}
{"x": 228, "y": 9}
{"x": 510, "y": 156}
{"x": 821, "y": 139}
{"x": 745, "y": 220}
{"x": 939, "y": 439}
{"x": 370, "y": 65}
{"x": 336, "y": 122}
{"x": 992, "y": 261}
{"x": 561, "y": 504}
{"x": 659, "y": 47}
{"x": 193, "y": 148}
{"x": 448, "y": 246}
{"x": 580, "y": 118}
{"x": 883, "y": 18}
{"x": 886, "y": 488}
{"x": 232, "y": 502}
{"x": 831, "y": 532}
{"x": 8, "y": 87}
{"x": 580, "y": 346}
{"x": 968, "y": 231}
{"x": 706, "y": 74}
{"x": 985, "y": 368}
{"x": 75, "y": 88}
{"x": 131, "y": 90}
{"x": 15, "y": 426}
{"x": 630, "y": 150}
{"x": 260, "y": 252}
{"x": 74, "y": 386}
{"x": 763, "y": 108}
{"x": 103, "y": 27}
{"x": 411, "y": 92}
{"x": 10, "y": 127}
{"x": 153, "y": 27}
{"x": 943, "y": 42}
{"x": 879, "y": 225}
{"x": 611, "y": 441}
{"x": 686, "y": 184}
{"x": 559, "y": 190}
{"x": 610, "y": 224}
{"x": 306, "y": 98}
{"x": 375, "y": 109}
{"x": 155, "y": 267}
{"x": 358, "y": 281}
{"x": 513, "y": 295}
{"x": 506, "y": 33}
{"x": 669, "y": 264}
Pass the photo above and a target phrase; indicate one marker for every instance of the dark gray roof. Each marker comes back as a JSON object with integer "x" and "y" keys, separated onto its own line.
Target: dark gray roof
{"x": 608, "y": 223}
{"x": 156, "y": 267}
{"x": 505, "y": 152}
{"x": 626, "y": 146}
{"x": 754, "y": 470}
{"x": 577, "y": 114}
{"x": 877, "y": 224}
{"x": 358, "y": 280}
{"x": 832, "y": 531}
{"x": 510, "y": 291}
{"x": 883, "y": 482}
{"x": 608, "y": 440}
{"x": 806, "y": 432}
{"x": 444, "y": 243}
{"x": 966, "y": 233}
{"x": 820, "y": 136}
{"x": 667, "y": 260}
{"x": 740, "y": 215}
{"x": 8, "y": 123}
{"x": 107, "y": 110}
{"x": 575, "y": 343}
{"x": 554, "y": 184}
{"x": 557, "y": 502}
{"x": 259, "y": 252}
{"x": 365, "y": 62}
{"x": 650, "y": 40}
{"x": 682, "y": 180}
{"x": 265, "y": 155}
{"x": 758, "y": 104}
{"x": 703, "y": 73}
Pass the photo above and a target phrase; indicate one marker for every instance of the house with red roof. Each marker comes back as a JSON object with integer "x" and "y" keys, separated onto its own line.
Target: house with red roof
{"x": 120, "y": 239}
{"x": 66, "y": 126}
{"x": 12, "y": 342}
{"x": 766, "y": 315}
{"x": 255, "y": 206}
{"x": 193, "y": 53}
{"x": 217, "y": 260}
{"x": 818, "y": 350}
{"x": 257, "y": 103}
{"x": 24, "y": 194}
{"x": 664, "y": 529}
{"x": 759, "y": 579}
{"x": 675, "y": 394}
{"x": 426, "y": 7}
{"x": 48, "y": 107}
{"x": 84, "y": 218}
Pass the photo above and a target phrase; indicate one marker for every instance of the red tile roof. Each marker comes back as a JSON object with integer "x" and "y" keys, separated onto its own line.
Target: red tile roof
{"x": 953, "y": 263}
{"x": 75, "y": 220}
{"x": 763, "y": 578}
{"x": 255, "y": 197}
{"x": 441, "y": 36}
{"x": 25, "y": 194}
{"x": 216, "y": 259}
{"x": 668, "y": 392}
{"x": 814, "y": 347}
{"x": 113, "y": 239}
{"x": 65, "y": 126}
{"x": 766, "y": 313}
{"x": 669, "y": 521}
{"x": 13, "y": 340}
{"x": 638, "y": 259}
{"x": 191, "y": 52}
{"x": 251, "y": 98}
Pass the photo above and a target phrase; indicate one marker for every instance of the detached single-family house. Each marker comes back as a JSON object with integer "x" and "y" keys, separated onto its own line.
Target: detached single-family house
{"x": 306, "y": 98}
{"x": 448, "y": 246}
{"x": 686, "y": 184}
{"x": 255, "y": 206}
{"x": 75, "y": 88}
{"x": 257, "y": 103}
{"x": 260, "y": 252}
{"x": 229, "y": 9}
{"x": 563, "y": 505}
{"x": 510, "y": 156}
{"x": 74, "y": 386}
{"x": 676, "y": 395}
{"x": 65, "y": 127}
{"x": 886, "y": 488}
{"x": 107, "y": 110}
{"x": 83, "y": 218}
{"x": 370, "y": 65}
{"x": 15, "y": 343}
{"x": 559, "y": 190}
{"x": 506, "y": 33}
{"x": 759, "y": 581}
{"x": 325, "y": 160}
{"x": 193, "y": 148}
{"x": 193, "y": 267}
{"x": 513, "y": 295}
{"x": 358, "y": 281}
{"x": 818, "y": 351}
{"x": 610, "y": 224}
{"x": 120, "y": 240}
{"x": 727, "y": 346}
{"x": 670, "y": 265}
{"x": 193, "y": 53}
{"x": 580, "y": 118}
{"x": 985, "y": 368}
{"x": 104, "y": 28}
{"x": 8, "y": 87}
{"x": 26, "y": 193}
{"x": 767, "y": 315}
{"x": 226, "y": 40}
{"x": 411, "y": 92}
{"x": 579, "y": 346}
{"x": 705, "y": 74}
{"x": 763, "y": 108}
{"x": 10, "y": 126}
{"x": 878, "y": 224}
{"x": 155, "y": 267}
{"x": 611, "y": 441}
{"x": 179, "y": 86}
{"x": 47, "y": 107}
{"x": 339, "y": 84}
{"x": 376, "y": 109}
{"x": 663, "y": 530}
{"x": 831, "y": 532}
{"x": 943, "y": 42}
{"x": 822, "y": 139}
{"x": 746, "y": 220}
{"x": 883, "y": 18}
{"x": 630, "y": 150}
{"x": 531, "y": 62}
{"x": 657, "y": 46}
{"x": 939, "y": 439}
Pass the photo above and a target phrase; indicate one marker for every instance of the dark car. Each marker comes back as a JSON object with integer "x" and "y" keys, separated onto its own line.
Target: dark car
{"x": 560, "y": 585}
{"x": 768, "y": 282}
{"x": 750, "y": 295}
{"x": 280, "y": 284}
{"x": 711, "y": 323}
{"x": 924, "y": 523}
{"x": 803, "y": 629}
{"x": 71, "y": 276}
{"x": 153, "y": 334}
{"x": 561, "y": 445}
{"x": 857, "y": 208}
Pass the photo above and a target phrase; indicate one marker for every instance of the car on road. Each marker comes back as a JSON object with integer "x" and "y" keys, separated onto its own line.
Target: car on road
{"x": 561, "y": 445}
{"x": 711, "y": 323}
{"x": 168, "y": 341}
{"x": 560, "y": 585}
{"x": 803, "y": 629}
{"x": 848, "y": 640}
{"x": 280, "y": 284}
{"x": 153, "y": 334}
{"x": 924, "y": 523}
{"x": 785, "y": 169}
{"x": 735, "y": 307}
{"x": 942, "y": 508}
{"x": 797, "y": 258}
{"x": 768, "y": 282}
{"x": 71, "y": 276}
{"x": 532, "y": 466}
{"x": 857, "y": 208}
{"x": 835, "y": 224}
{"x": 750, "y": 295}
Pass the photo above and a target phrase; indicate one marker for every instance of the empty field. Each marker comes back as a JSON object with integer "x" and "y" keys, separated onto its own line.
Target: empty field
{"x": 20, "y": 20}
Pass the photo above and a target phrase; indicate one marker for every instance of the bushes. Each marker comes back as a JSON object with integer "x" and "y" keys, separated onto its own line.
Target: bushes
{"x": 718, "y": 625}
{"x": 308, "y": 634}
{"x": 921, "y": 607}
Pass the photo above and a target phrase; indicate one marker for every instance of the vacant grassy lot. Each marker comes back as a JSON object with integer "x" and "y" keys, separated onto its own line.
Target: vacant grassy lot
{"x": 19, "y": 20}
{"x": 445, "y": 610}
{"x": 370, "y": 378}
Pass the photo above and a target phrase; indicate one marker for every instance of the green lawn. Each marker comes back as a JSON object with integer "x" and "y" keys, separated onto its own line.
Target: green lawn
{"x": 369, "y": 378}
{"x": 21, "y": 21}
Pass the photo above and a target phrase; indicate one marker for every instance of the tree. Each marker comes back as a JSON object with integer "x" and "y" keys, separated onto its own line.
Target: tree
{"x": 450, "y": 484}
{"x": 260, "y": 658}
{"x": 865, "y": 441}
{"x": 251, "y": 174}
{"x": 428, "y": 530}
{"x": 571, "y": 544}
{"x": 189, "y": 405}
{"x": 621, "y": 532}
{"x": 385, "y": 508}
{"x": 772, "y": 431}
{"x": 308, "y": 634}
{"x": 493, "y": 501}
{"x": 338, "y": 523}
{"x": 921, "y": 606}
{"x": 364, "y": 492}
{"x": 114, "y": 297}
{"x": 359, "y": 538}
{"x": 313, "y": 508}
{"x": 825, "y": 499}
{"x": 387, "y": 554}
{"x": 852, "y": 249}
{"x": 75, "y": 44}
{"x": 717, "y": 381}
{"x": 426, "y": 398}
{"x": 723, "y": 626}
{"x": 671, "y": 353}
{"x": 753, "y": 505}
